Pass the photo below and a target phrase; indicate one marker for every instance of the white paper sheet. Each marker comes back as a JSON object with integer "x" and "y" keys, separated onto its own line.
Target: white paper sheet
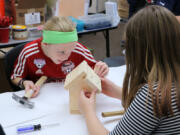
{"x": 52, "y": 106}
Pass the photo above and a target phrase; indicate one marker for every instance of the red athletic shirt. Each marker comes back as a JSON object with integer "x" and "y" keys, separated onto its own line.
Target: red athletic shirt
{"x": 32, "y": 63}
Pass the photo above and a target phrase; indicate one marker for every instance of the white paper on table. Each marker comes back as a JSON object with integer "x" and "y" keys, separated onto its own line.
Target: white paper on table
{"x": 52, "y": 104}
{"x": 44, "y": 105}
{"x": 13, "y": 113}
{"x": 53, "y": 94}
{"x": 116, "y": 74}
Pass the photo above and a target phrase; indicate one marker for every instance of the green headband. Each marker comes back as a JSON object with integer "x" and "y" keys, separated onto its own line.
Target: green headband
{"x": 56, "y": 37}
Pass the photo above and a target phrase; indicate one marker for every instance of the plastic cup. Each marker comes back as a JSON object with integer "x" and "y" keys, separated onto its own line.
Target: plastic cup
{"x": 4, "y": 35}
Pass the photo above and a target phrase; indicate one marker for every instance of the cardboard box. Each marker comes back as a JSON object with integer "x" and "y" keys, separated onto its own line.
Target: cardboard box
{"x": 30, "y": 12}
{"x": 73, "y": 8}
{"x": 123, "y": 8}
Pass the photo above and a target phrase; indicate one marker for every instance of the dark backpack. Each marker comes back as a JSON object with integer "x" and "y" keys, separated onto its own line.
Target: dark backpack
{"x": 135, "y": 5}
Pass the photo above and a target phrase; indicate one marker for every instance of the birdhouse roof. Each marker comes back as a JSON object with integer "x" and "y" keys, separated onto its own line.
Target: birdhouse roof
{"x": 83, "y": 75}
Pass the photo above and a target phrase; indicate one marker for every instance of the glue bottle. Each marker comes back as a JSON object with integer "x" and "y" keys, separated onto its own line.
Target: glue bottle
{"x": 31, "y": 128}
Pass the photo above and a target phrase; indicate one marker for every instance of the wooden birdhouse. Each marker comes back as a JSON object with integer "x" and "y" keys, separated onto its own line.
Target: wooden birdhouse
{"x": 82, "y": 77}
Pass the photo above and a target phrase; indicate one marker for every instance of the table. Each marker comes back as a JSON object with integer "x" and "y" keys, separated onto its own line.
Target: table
{"x": 106, "y": 29}
{"x": 52, "y": 106}
{"x": 13, "y": 42}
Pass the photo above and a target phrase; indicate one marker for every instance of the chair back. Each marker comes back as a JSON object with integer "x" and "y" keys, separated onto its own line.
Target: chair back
{"x": 9, "y": 60}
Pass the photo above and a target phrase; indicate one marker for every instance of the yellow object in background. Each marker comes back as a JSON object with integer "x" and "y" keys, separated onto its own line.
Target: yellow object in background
{"x": 19, "y": 27}
{"x": 19, "y": 32}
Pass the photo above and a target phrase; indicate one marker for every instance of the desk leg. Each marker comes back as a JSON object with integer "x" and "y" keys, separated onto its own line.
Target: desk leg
{"x": 107, "y": 44}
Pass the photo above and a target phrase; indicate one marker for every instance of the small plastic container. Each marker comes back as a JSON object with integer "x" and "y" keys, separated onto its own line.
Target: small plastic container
{"x": 86, "y": 7}
{"x": 96, "y": 21}
{"x": 4, "y": 35}
{"x": 35, "y": 32}
{"x": 79, "y": 23}
{"x": 19, "y": 32}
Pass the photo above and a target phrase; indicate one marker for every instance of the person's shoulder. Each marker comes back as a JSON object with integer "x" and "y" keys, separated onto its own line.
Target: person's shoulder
{"x": 145, "y": 89}
{"x": 33, "y": 43}
{"x": 31, "y": 48}
{"x": 146, "y": 86}
{"x": 82, "y": 49}
{"x": 83, "y": 52}
{"x": 81, "y": 46}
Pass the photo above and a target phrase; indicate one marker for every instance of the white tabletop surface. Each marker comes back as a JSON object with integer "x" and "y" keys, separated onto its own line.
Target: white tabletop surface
{"x": 52, "y": 106}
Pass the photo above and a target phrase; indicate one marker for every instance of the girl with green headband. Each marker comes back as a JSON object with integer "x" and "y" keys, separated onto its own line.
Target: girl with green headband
{"x": 54, "y": 55}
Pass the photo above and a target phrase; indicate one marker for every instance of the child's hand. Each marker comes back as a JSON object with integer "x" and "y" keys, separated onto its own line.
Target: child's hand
{"x": 87, "y": 101}
{"x": 101, "y": 69}
{"x": 107, "y": 86}
{"x": 30, "y": 85}
{"x": 178, "y": 18}
{"x": 111, "y": 89}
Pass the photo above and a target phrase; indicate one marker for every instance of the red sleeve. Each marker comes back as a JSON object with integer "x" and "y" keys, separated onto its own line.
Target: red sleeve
{"x": 86, "y": 54}
{"x": 91, "y": 64}
{"x": 23, "y": 60}
{"x": 20, "y": 68}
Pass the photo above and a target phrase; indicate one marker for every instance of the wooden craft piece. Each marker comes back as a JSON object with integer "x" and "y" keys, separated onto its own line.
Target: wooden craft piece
{"x": 82, "y": 77}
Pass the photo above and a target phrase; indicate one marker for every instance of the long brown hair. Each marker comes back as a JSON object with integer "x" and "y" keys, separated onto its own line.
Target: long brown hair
{"x": 152, "y": 56}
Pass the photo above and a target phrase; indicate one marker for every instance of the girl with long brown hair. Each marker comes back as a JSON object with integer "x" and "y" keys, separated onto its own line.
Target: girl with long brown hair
{"x": 151, "y": 88}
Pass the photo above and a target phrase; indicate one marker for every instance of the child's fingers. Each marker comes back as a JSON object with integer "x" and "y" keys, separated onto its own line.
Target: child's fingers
{"x": 36, "y": 91}
{"x": 88, "y": 94}
{"x": 28, "y": 87}
{"x": 82, "y": 96}
{"x": 93, "y": 95}
{"x": 96, "y": 68}
{"x": 104, "y": 72}
{"x": 101, "y": 68}
{"x": 100, "y": 71}
{"x": 82, "y": 93}
{"x": 34, "y": 94}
